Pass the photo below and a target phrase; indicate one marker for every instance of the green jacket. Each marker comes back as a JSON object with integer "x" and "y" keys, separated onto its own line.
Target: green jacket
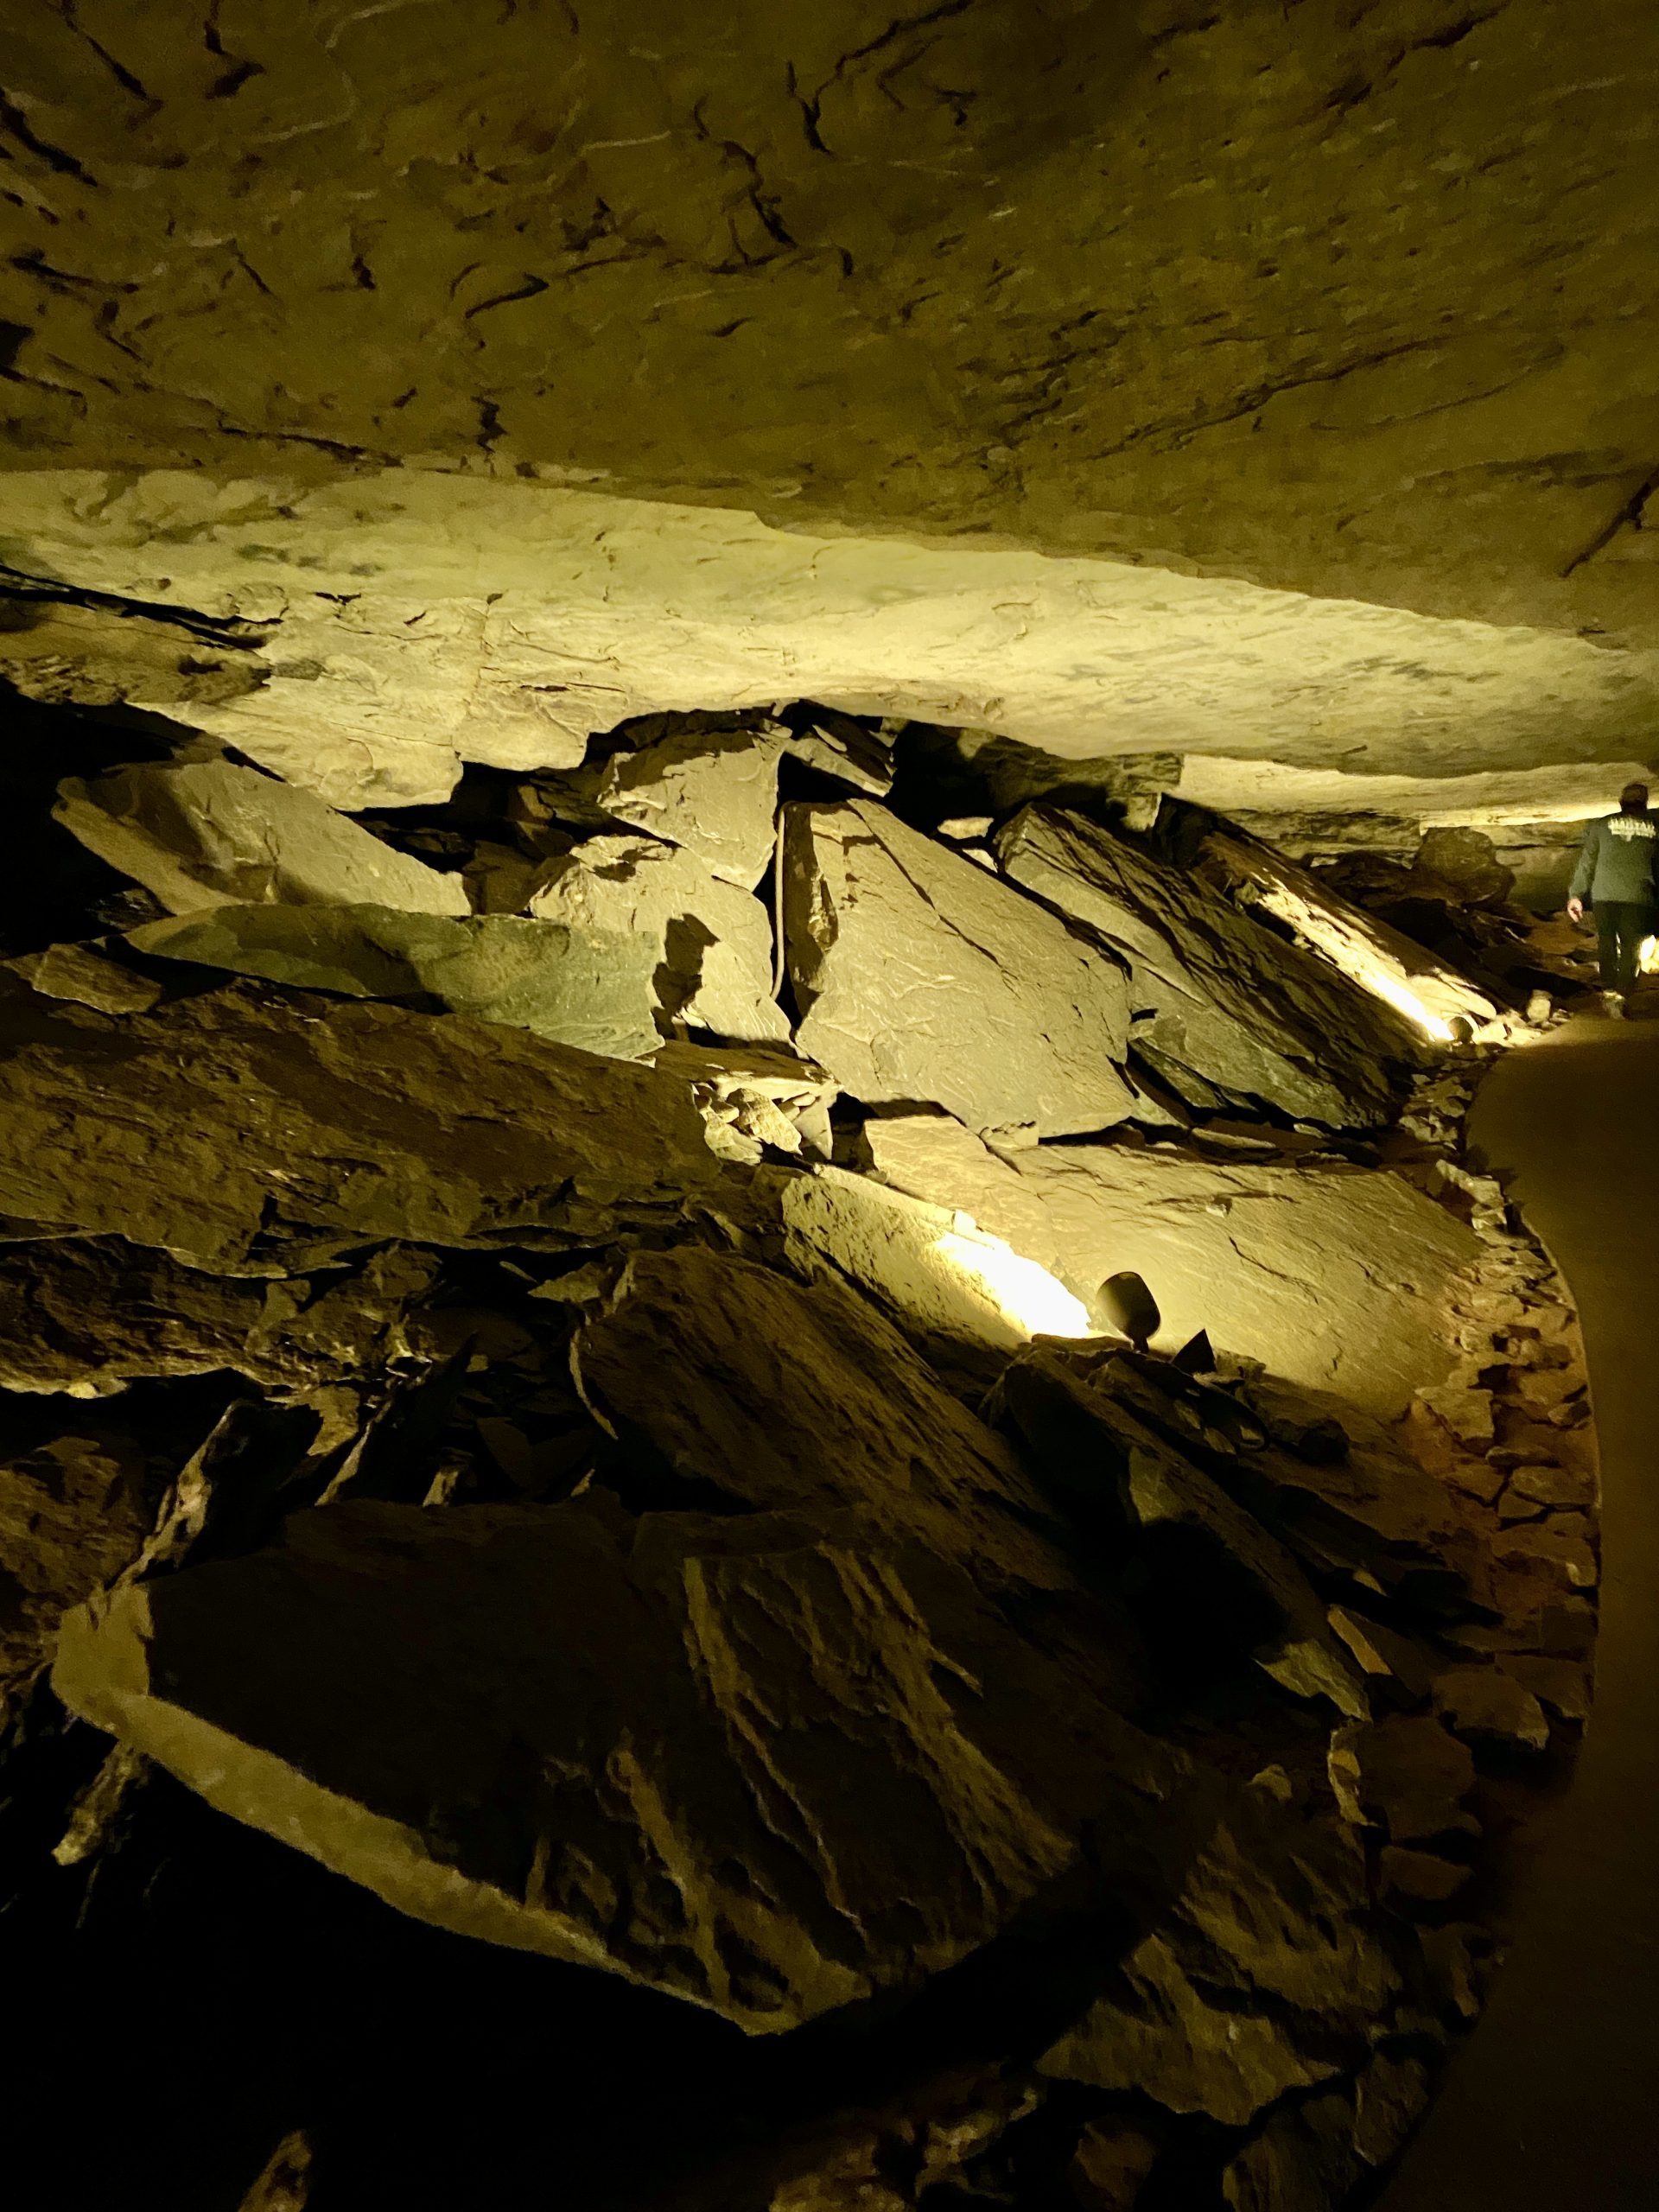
{"x": 1616, "y": 861}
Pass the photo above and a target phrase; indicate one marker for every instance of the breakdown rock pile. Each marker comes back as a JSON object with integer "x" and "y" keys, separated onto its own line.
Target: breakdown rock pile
{"x": 553, "y": 1399}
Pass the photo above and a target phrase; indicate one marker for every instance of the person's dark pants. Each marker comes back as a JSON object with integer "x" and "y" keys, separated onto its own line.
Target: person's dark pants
{"x": 1621, "y": 924}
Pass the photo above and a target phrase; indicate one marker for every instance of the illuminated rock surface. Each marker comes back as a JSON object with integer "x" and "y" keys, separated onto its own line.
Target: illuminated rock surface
{"x": 206, "y": 831}
{"x": 714, "y": 969}
{"x": 1332, "y": 1276}
{"x": 920, "y": 976}
{"x": 1209, "y": 991}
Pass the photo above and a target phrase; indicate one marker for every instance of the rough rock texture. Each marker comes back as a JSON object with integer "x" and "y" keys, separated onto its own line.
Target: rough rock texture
{"x": 73, "y": 1513}
{"x": 754, "y": 1096}
{"x": 656, "y": 1747}
{"x": 1210, "y": 990}
{"x": 505, "y": 620}
{"x": 202, "y": 832}
{"x": 863, "y": 268}
{"x": 581, "y": 986}
{"x": 715, "y": 968}
{"x": 919, "y": 977}
{"x": 248, "y": 1133}
{"x": 1434, "y": 994}
{"x": 715, "y": 794}
{"x": 1333, "y": 1277}
{"x": 85, "y": 1317}
{"x": 761, "y": 1394}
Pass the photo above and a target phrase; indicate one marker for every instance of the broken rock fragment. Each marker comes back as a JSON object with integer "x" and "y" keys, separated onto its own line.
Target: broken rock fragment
{"x": 714, "y": 942}
{"x": 1405, "y": 1770}
{"x": 713, "y": 792}
{"x": 200, "y": 833}
{"x": 590, "y": 989}
{"x": 1211, "y": 990}
{"x": 922, "y": 977}
{"x": 83, "y": 973}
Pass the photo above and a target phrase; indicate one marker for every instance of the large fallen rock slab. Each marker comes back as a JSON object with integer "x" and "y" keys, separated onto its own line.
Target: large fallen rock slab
{"x": 1329, "y": 1480}
{"x": 715, "y": 948}
{"x": 921, "y": 977}
{"x": 1162, "y": 2033}
{"x": 769, "y": 1395}
{"x": 713, "y": 792}
{"x": 200, "y": 833}
{"x": 1211, "y": 990}
{"x": 1264, "y": 1954}
{"x": 86, "y": 1317}
{"x": 1337, "y": 1279}
{"x": 259, "y": 1136}
{"x": 588, "y": 987}
{"x": 762, "y": 1765}
{"x": 1438, "y": 999}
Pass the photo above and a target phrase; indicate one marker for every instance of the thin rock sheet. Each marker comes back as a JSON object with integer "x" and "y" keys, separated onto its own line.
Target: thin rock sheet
{"x": 590, "y": 989}
{"x": 199, "y": 833}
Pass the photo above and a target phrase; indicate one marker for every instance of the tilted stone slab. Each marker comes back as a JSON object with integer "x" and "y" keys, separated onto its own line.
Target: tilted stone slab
{"x": 199, "y": 833}
{"x": 713, "y": 792}
{"x": 255, "y": 1135}
{"x": 587, "y": 987}
{"x": 921, "y": 977}
{"x": 715, "y": 957}
{"x": 1212, "y": 990}
{"x": 762, "y": 1765}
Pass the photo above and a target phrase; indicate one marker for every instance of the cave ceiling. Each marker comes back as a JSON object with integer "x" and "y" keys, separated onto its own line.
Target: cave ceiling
{"x": 1273, "y": 379}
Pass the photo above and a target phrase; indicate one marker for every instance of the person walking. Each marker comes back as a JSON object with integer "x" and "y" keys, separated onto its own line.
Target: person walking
{"x": 1616, "y": 873}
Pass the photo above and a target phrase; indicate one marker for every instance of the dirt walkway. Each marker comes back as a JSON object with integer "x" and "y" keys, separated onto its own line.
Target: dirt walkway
{"x": 1555, "y": 2102}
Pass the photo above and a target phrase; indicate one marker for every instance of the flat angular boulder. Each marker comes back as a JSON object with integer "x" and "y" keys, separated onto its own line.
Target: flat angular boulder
{"x": 836, "y": 746}
{"x": 921, "y": 977}
{"x": 585, "y": 987}
{"x": 259, "y": 1137}
{"x": 200, "y": 833}
{"x": 1212, "y": 991}
{"x": 713, "y": 792}
{"x": 761, "y": 1764}
{"x": 713, "y": 959}
{"x": 1337, "y": 1280}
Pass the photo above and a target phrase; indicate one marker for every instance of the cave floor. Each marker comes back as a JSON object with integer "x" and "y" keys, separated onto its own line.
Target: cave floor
{"x": 1552, "y": 2102}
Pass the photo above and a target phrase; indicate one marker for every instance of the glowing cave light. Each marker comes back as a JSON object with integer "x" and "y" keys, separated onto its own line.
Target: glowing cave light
{"x": 1025, "y": 1295}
